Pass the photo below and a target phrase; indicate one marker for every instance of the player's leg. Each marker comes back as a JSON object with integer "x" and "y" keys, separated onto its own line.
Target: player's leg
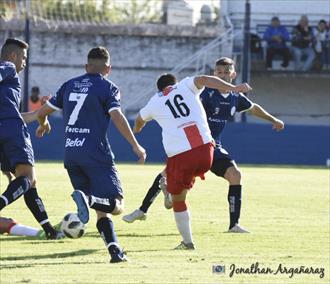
{"x": 36, "y": 206}
{"x": 17, "y": 187}
{"x": 225, "y": 167}
{"x": 141, "y": 213}
{"x": 81, "y": 183}
{"x": 11, "y": 227}
{"x": 182, "y": 220}
{"x": 106, "y": 229}
{"x": 17, "y": 156}
{"x": 106, "y": 196}
{"x": 181, "y": 171}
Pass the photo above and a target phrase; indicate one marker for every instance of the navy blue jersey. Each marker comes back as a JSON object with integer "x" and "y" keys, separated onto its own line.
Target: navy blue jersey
{"x": 220, "y": 107}
{"x": 10, "y": 91}
{"x": 86, "y": 102}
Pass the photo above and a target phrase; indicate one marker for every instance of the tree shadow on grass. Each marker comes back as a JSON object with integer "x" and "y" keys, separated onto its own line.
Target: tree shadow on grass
{"x": 51, "y": 256}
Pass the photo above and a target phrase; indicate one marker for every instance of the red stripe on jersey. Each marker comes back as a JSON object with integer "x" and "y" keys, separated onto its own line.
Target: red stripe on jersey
{"x": 167, "y": 90}
{"x": 194, "y": 137}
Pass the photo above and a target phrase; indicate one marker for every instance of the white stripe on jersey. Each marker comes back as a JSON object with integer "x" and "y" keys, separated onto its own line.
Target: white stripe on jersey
{"x": 113, "y": 108}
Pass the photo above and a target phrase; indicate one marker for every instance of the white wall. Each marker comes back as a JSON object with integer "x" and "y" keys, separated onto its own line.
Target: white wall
{"x": 289, "y": 11}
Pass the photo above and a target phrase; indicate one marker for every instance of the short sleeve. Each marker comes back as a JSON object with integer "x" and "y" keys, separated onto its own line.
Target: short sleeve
{"x": 146, "y": 112}
{"x": 56, "y": 102}
{"x": 244, "y": 103}
{"x": 113, "y": 98}
{"x": 7, "y": 71}
{"x": 189, "y": 82}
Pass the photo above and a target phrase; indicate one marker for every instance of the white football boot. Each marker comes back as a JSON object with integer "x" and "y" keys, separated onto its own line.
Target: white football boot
{"x": 137, "y": 214}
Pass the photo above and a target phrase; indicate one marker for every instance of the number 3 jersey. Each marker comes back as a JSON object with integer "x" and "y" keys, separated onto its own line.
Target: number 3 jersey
{"x": 179, "y": 112}
{"x": 86, "y": 102}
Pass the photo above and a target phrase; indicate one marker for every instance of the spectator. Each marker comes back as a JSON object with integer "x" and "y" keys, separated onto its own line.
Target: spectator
{"x": 276, "y": 35}
{"x": 302, "y": 39}
{"x": 35, "y": 101}
{"x": 320, "y": 34}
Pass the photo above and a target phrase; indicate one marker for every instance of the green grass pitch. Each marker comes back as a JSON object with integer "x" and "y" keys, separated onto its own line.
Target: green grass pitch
{"x": 285, "y": 208}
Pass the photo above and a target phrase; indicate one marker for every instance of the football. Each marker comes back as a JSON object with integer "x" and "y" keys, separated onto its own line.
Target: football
{"x": 72, "y": 227}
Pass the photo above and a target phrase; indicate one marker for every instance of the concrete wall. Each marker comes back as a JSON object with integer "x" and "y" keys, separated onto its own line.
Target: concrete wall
{"x": 293, "y": 97}
{"x": 139, "y": 53}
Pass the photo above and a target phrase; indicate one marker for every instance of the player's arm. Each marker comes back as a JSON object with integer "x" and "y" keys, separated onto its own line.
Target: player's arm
{"x": 214, "y": 82}
{"x": 138, "y": 124}
{"x": 258, "y": 111}
{"x": 31, "y": 116}
{"x": 42, "y": 117}
{"x": 122, "y": 125}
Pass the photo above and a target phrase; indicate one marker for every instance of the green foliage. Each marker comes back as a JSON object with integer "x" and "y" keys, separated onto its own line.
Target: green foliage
{"x": 105, "y": 11}
{"x": 286, "y": 209}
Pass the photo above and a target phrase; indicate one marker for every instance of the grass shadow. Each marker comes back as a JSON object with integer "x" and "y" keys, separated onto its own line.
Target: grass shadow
{"x": 52, "y": 256}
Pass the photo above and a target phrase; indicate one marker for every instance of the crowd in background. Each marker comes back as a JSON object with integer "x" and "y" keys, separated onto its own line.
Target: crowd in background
{"x": 307, "y": 46}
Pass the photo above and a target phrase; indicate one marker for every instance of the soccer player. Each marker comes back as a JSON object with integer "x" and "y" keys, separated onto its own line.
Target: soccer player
{"x": 186, "y": 137}
{"x": 219, "y": 107}
{"x": 15, "y": 140}
{"x": 88, "y": 102}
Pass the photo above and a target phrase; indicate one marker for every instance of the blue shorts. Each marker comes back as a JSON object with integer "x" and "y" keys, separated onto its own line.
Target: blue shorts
{"x": 15, "y": 143}
{"x": 221, "y": 162}
{"x": 102, "y": 182}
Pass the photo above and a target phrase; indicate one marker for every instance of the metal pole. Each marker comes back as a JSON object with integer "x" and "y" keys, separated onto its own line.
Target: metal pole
{"x": 26, "y": 70}
{"x": 246, "y": 48}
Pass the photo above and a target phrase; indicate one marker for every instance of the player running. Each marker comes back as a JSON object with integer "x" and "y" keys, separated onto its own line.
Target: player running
{"x": 219, "y": 108}
{"x": 15, "y": 143}
{"x": 88, "y": 102}
{"x": 186, "y": 137}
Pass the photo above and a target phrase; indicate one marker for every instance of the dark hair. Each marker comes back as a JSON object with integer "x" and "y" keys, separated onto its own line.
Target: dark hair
{"x": 224, "y": 61}
{"x": 165, "y": 80}
{"x": 100, "y": 53}
{"x": 322, "y": 22}
{"x": 12, "y": 44}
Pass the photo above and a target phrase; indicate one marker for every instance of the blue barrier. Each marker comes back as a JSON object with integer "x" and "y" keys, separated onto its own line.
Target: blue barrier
{"x": 247, "y": 143}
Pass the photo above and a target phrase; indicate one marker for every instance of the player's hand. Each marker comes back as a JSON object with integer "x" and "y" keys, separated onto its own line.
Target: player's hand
{"x": 242, "y": 88}
{"x": 141, "y": 153}
{"x": 44, "y": 99}
{"x": 278, "y": 125}
{"x": 42, "y": 129}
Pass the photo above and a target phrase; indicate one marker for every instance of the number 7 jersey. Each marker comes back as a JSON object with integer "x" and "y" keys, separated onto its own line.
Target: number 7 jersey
{"x": 179, "y": 112}
{"x": 86, "y": 102}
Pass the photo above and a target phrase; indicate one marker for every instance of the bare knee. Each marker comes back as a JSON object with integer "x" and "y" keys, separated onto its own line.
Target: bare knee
{"x": 119, "y": 208}
{"x": 27, "y": 171}
{"x": 233, "y": 175}
{"x": 101, "y": 214}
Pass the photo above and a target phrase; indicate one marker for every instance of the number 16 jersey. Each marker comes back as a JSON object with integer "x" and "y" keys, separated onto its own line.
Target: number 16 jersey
{"x": 86, "y": 102}
{"x": 179, "y": 112}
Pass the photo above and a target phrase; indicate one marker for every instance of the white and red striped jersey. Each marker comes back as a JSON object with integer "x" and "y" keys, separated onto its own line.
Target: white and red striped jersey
{"x": 180, "y": 113}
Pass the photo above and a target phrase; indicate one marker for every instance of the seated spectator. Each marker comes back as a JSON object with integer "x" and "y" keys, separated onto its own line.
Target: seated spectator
{"x": 302, "y": 39}
{"x": 34, "y": 101}
{"x": 276, "y": 36}
{"x": 320, "y": 34}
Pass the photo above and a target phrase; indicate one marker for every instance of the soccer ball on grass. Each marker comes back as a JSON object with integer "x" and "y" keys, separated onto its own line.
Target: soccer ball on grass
{"x": 72, "y": 227}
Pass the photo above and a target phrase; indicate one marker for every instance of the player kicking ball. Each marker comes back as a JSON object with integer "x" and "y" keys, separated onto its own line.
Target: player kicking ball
{"x": 219, "y": 107}
{"x": 186, "y": 138}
